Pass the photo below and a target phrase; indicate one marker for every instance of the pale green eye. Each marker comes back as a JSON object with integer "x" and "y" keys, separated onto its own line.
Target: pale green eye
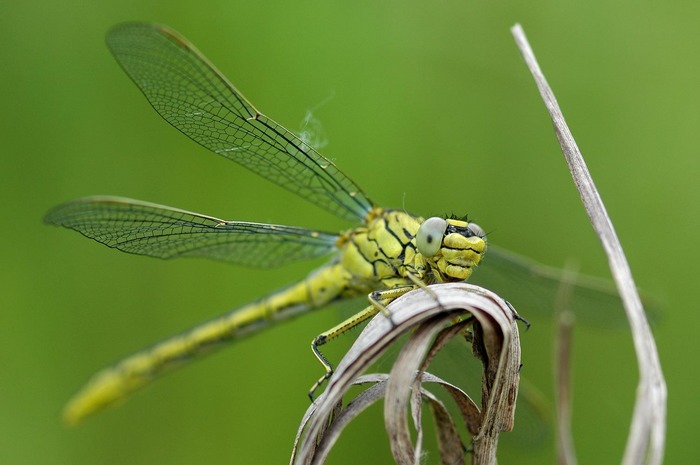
{"x": 429, "y": 237}
{"x": 477, "y": 230}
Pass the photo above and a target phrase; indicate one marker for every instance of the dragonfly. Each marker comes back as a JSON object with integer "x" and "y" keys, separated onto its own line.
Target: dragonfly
{"x": 389, "y": 253}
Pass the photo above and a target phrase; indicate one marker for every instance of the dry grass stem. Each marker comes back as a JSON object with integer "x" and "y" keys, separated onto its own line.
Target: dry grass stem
{"x": 566, "y": 454}
{"x": 645, "y": 443}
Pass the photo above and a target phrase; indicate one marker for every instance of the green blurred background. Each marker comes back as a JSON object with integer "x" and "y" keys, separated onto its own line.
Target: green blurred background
{"x": 432, "y": 109}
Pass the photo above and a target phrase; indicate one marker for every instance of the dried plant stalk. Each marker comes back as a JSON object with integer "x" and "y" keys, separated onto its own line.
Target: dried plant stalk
{"x": 565, "y": 443}
{"x": 645, "y": 443}
{"x": 431, "y": 319}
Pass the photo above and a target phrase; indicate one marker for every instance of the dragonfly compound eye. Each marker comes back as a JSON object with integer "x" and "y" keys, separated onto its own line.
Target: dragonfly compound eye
{"x": 429, "y": 237}
{"x": 477, "y": 230}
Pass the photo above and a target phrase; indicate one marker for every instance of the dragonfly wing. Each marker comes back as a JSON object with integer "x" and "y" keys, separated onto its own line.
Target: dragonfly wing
{"x": 533, "y": 426}
{"x": 193, "y": 96}
{"x": 145, "y": 228}
{"x": 532, "y": 288}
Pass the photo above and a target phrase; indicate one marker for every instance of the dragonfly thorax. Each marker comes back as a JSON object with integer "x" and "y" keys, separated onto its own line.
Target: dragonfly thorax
{"x": 392, "y": 245}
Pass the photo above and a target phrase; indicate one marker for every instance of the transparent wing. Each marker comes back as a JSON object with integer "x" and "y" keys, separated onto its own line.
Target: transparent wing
{"x": 532, "y": 288}
{"x": 145, "y": 228}
{"x": 193, "y": 96}
{"x": 533, "y": 426}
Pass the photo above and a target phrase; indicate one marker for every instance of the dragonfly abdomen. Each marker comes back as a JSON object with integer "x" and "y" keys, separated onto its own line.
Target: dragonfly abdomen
{"x": 118, "y": 382}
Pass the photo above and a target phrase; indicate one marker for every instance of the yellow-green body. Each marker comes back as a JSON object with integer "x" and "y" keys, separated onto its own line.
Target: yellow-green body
{"x": 377, "y": 257}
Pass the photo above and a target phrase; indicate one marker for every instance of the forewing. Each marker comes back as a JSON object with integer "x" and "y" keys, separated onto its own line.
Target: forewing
{"x": 145, "y": 228}
{"x": 532, "y": 288}
{"x": 189, "y": 93}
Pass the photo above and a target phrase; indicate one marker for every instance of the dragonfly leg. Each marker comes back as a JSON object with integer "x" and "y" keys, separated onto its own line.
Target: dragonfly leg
{"x": 419, "y": 283}
{"x": 517, "y": 316}
{"x": 331, "y": 334}
{"x": 380, "y": 299}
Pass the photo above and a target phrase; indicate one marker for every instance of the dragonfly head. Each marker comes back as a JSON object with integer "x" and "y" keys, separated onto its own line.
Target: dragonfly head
{"x": 451, "y": 247}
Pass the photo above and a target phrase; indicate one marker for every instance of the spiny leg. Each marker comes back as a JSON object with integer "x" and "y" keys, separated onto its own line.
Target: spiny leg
{"x": 420, "y": 284}
{"x": 331, "y": 334}
{"x": 517, "y": 316}
{"x": 379, "y": 301}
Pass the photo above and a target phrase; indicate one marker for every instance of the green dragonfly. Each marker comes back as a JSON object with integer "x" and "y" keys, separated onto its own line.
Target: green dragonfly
{"x": 390, "y": 253}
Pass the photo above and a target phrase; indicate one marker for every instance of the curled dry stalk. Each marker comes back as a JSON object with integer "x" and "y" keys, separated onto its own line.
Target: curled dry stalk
{"x": 430, "y": 319}
{"x": 646, "y": 440}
